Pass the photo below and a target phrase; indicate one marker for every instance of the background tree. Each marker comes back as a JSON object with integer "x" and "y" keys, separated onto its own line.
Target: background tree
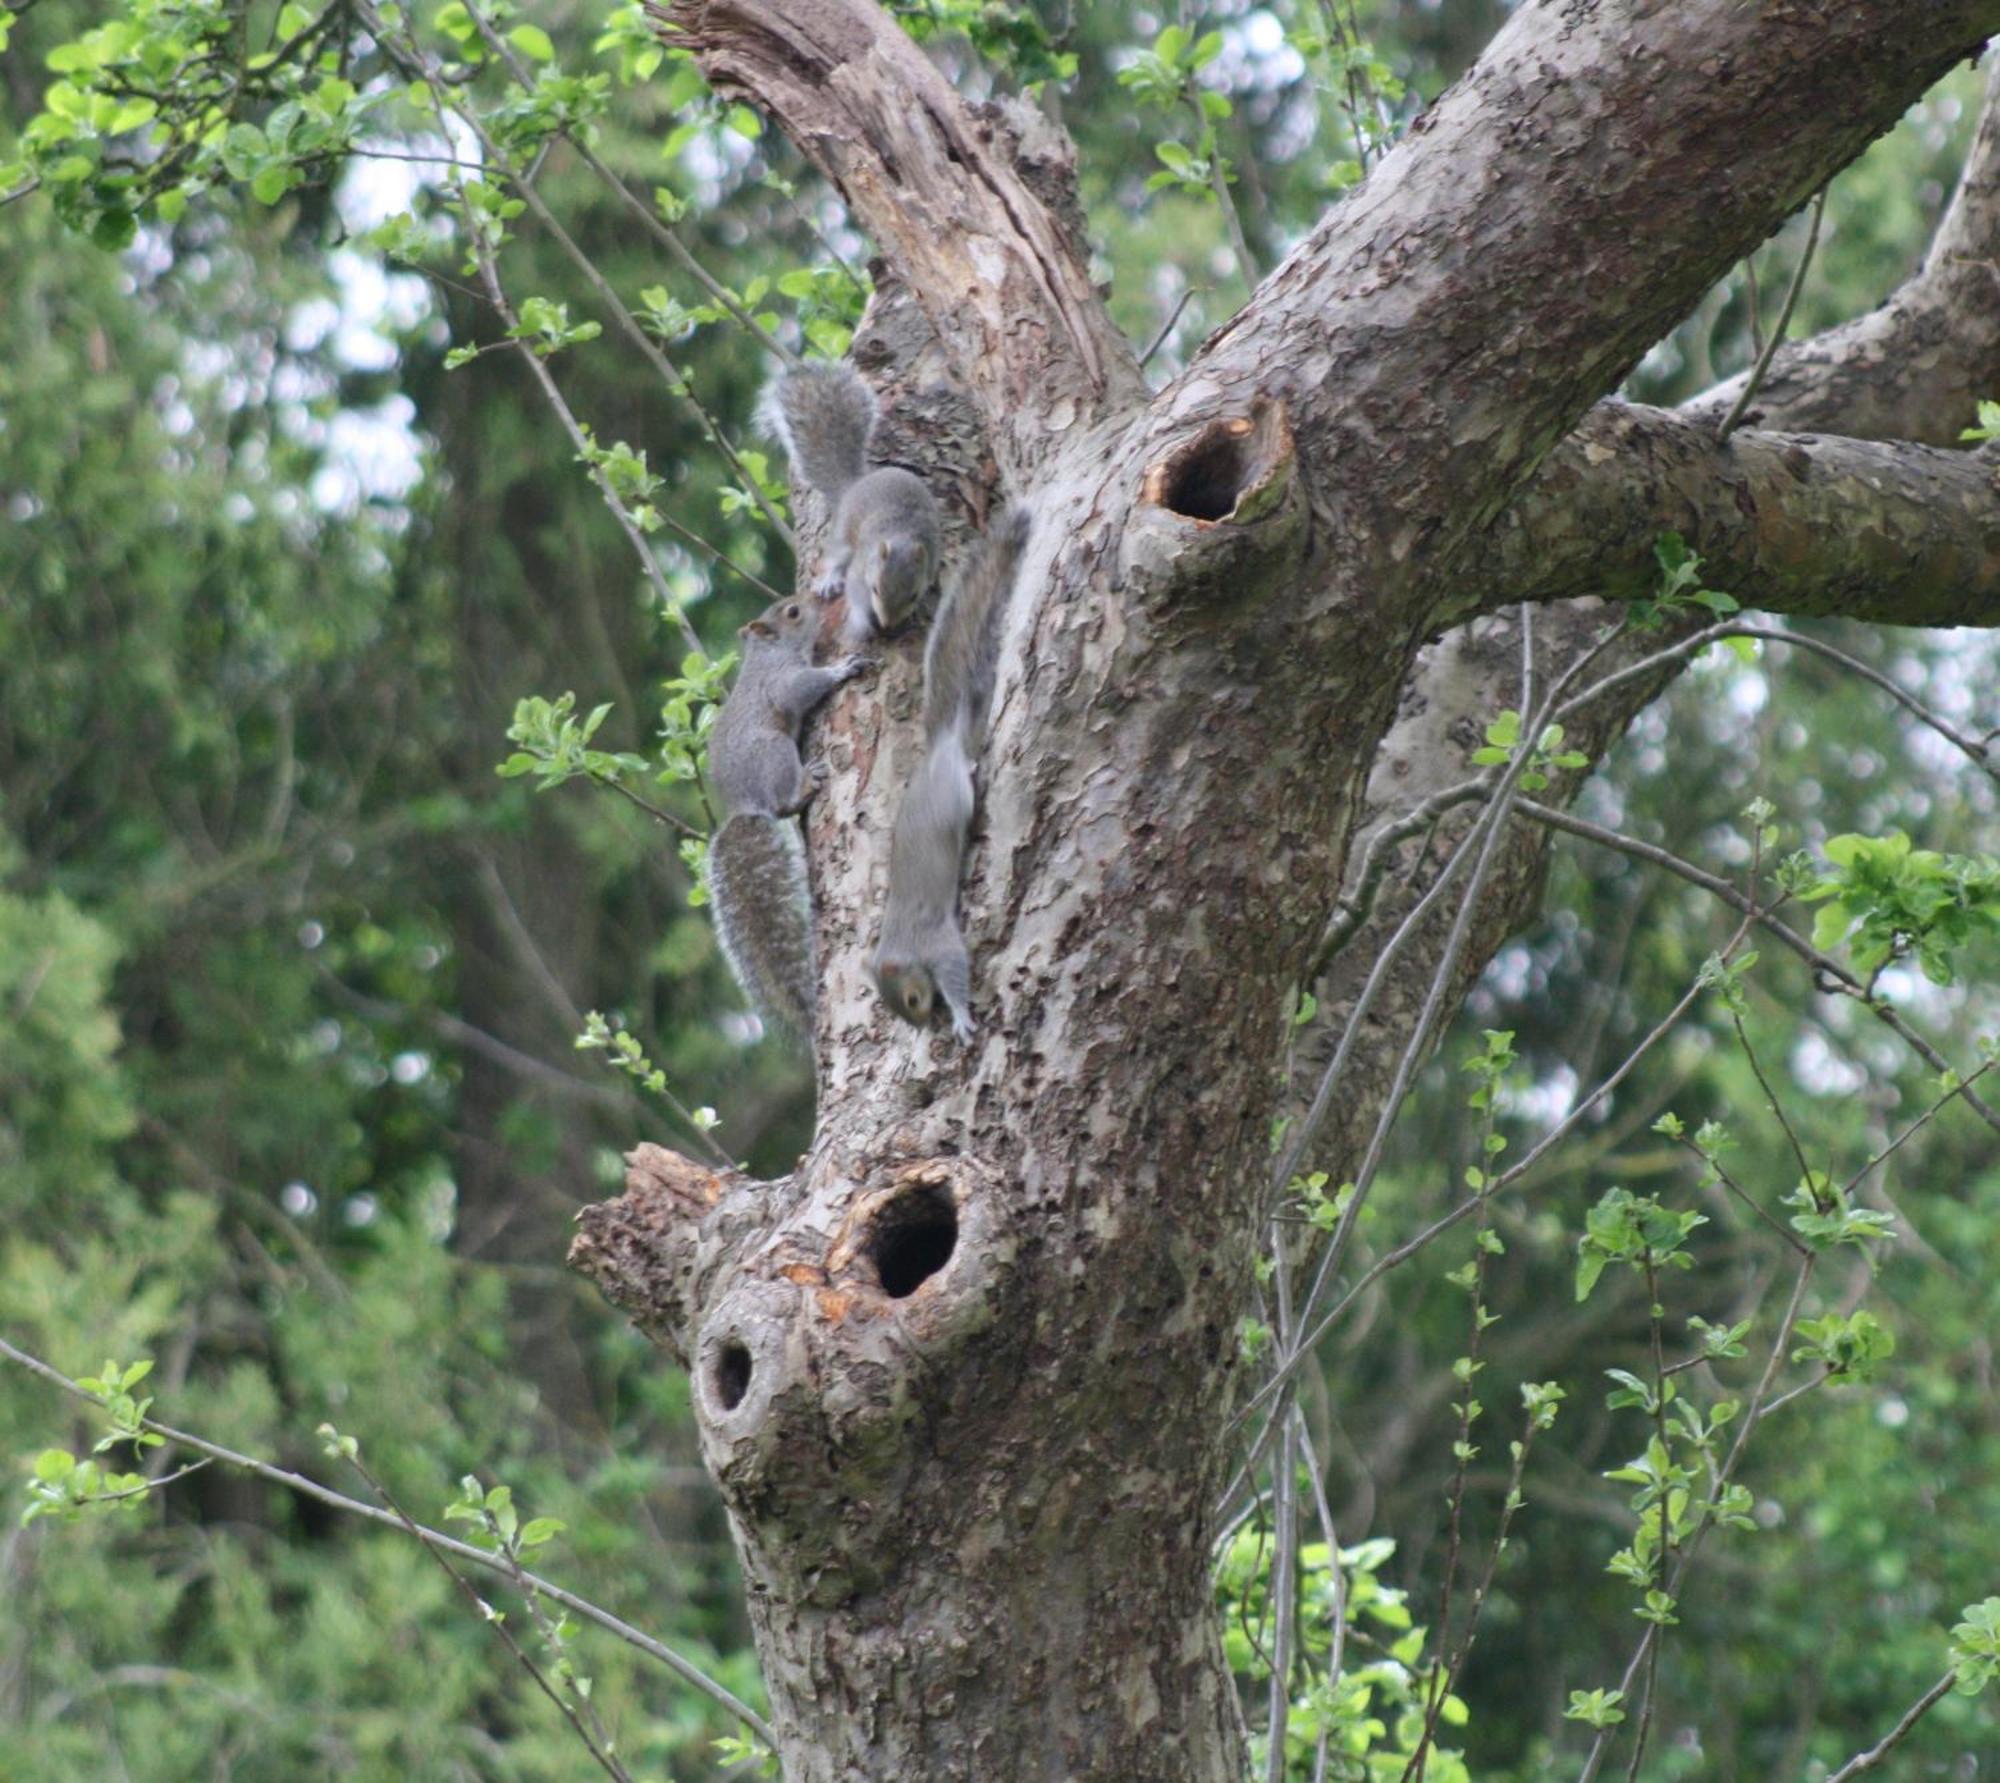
{"x": 451, "y": 990}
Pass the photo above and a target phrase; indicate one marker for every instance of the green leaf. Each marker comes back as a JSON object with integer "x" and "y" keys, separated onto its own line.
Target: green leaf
{"x": 533, "y": 42}
{"x": 52, "y": 1465}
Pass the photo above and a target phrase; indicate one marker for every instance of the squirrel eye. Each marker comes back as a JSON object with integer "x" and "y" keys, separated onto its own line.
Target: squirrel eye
{"x": 792, "y": 612}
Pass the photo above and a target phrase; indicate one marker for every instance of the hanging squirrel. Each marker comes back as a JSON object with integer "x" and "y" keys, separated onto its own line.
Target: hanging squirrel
{"x": 883, "y": 546}
{"x": 756, "y": 859}
{"x": 922, "y": 960}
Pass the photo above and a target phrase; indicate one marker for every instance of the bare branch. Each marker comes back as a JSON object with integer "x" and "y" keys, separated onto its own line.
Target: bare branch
{"x": 311, "y": 1488}
{"x": 1792, "y": 523}
{"x": 1867, "y": 1761}
{"x": 1830, "y": 973}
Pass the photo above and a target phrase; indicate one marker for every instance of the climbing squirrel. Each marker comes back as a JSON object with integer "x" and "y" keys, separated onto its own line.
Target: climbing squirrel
{"x": 922, "y": 959}
{"x": 882, "y": 548}
{"x": 756, "y": 860}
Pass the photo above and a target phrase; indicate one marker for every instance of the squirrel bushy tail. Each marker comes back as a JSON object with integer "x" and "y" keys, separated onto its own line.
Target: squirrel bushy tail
{"x": 962, "y": 653}
{"x": 825, "y": 415}
{"x": 763, "y": 916}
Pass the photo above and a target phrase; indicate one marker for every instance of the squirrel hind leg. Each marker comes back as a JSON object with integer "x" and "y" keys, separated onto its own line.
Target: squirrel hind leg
{"x": 812, "y": 776}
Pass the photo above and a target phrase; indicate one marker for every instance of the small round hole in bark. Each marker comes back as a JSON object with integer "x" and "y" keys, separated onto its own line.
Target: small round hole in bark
{"x": 912, "y": 1239}
{"x": 732, "y": 1375}
{"x": 1205, "y": 479}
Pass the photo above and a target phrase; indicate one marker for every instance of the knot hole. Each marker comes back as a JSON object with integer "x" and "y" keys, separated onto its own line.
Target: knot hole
{"x": 731, "y": 1377}
{"x": 1222, "y": 472}
{"x": 1203, "y": 480}
{"x": 912, "y": 1238}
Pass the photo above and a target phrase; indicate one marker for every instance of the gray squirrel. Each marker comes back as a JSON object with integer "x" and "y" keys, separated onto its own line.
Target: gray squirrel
{"x": 756, "y": 860}
{"x": 883, "y": 545}
{"x": 921, "y": 959}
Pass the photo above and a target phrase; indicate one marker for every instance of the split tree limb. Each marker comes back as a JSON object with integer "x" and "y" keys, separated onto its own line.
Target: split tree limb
{"x": 936, "y": 186}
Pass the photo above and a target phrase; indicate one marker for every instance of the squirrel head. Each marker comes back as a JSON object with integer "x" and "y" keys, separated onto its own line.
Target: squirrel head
{"x": 902, "y": 562}
{"x": 781, "y": 619}
{"x": 907, "y": 989}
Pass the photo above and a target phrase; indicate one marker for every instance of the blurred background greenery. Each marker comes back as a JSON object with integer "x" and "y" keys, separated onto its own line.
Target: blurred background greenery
{"x": 289, "y": 979}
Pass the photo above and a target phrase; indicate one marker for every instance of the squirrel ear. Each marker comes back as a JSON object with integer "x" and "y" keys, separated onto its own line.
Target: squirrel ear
{"x": 757, "y": 628}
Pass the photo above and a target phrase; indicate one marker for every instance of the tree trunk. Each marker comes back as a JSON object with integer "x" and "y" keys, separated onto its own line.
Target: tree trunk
{"x": 966, "y": 1376}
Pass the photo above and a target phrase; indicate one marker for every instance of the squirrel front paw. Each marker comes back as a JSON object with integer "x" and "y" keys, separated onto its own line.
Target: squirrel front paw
{"x": 852, "y": 664}
{"x": 831, "y": 584}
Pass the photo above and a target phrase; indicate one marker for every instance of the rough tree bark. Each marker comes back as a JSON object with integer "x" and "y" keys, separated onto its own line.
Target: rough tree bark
{"x": 964, "y": 1375}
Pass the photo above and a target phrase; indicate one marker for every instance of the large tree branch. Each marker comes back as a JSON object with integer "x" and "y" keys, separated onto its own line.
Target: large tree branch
{"x": 946, "y": 194}
{"x": 1915, "y": 368}
{"x": 1544, "y": 224}
{"x": 1911, "y": 369}
{"x": 1793, "y": 523}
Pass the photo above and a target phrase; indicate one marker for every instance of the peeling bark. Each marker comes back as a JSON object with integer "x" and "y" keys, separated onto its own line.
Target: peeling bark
{"x": 1794, "y": 523}
{"x": 963, "y": 1375}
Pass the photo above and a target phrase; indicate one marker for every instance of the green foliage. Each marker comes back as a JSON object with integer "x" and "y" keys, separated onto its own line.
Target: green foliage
{"x": 1680, "y": 587}
{"x": 1886, "y": 900}
{"x": 738, "y": 1751}
{"x": 1545, "y": 760}
{"x": 1595, "y": 1708}
{"x": 555, "y": 746}
{"x": 1371, "y": 1715}
{"x": 1009, "y": 37}
{"x": 1827, "y": 1215}
{"x": 1635, "y": 1231}
{"x": 1849, "y": 1345}
{"x": 1975, "y": 1647}
{"x": 1989, "y": 424}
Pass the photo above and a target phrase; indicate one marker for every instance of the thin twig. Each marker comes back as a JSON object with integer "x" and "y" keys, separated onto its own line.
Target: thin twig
{"x": 1771, "y": 1099}
{"x": 1752, "y": 1418}
{"x": 484, "y": 1611}
{"x": 1867, "y": 1761}
{"x": 1484, "y": 836}
{"x": 1413, "y": 1772}
{"x": 628, "y": 324}
{"x": 1337, "y": 1644}
{"x": 1975, "y": 750}
{"x": 1663, "y": 1552}
{"x": 1910, "y": 1132}
{"x": 1833, "y": 976}
{"x": 1354, "y": 907}
{"x": 165, "y": 1479}
{"x": 1763, "y": 364}
{"x": 1160, "y": 339}
{"x": 683, "y": 1669}
{"x": 1283, "y": 1574}
{"x": 413, "y": 57}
